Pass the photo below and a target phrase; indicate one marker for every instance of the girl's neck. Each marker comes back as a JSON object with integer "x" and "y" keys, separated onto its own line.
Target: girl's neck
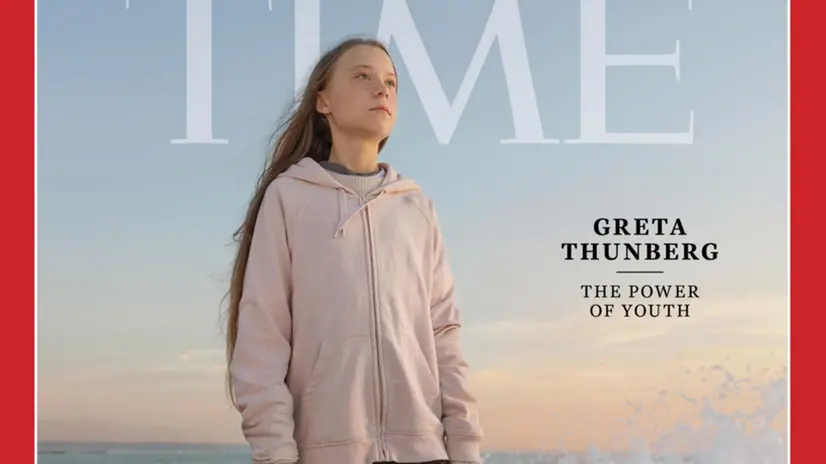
{"x": 359, "y": 156}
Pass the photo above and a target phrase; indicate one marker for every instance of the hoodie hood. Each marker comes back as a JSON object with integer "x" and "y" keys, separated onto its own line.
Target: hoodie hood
{"x": 309, "y": 171}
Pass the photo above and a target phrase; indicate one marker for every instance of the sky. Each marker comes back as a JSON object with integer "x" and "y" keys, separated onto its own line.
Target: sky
{"x": 134, "y": 245}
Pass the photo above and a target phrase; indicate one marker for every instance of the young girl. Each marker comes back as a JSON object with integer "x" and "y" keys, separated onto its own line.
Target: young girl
{"x": 343, "y": 336}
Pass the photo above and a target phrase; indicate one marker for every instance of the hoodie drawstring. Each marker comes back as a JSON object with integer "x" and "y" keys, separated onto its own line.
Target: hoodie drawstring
{"x": 342, "y": 206}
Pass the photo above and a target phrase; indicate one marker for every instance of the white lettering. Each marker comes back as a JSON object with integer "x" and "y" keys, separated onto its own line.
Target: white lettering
{"x": 307, "y": 18}
{"x": 199, "y": 74}
{"x": 593, "y": 81}
{"x": 504, "y": 24}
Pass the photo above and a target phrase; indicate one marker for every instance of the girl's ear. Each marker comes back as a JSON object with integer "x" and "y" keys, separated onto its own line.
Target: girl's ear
{"x": 321, "y": 104}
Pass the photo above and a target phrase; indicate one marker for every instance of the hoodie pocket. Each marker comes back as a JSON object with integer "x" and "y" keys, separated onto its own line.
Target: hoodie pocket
{"x": 337, "y": 404}
{"x": 414, "y": 404}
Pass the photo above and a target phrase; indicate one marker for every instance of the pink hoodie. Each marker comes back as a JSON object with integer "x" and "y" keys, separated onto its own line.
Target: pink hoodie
{"x": 348, "y": 340}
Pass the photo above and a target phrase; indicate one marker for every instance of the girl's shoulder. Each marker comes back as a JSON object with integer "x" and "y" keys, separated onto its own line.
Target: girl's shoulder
{"x": 286, "y": 187}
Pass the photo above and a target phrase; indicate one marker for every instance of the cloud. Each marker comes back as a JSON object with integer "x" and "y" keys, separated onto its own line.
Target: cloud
{"x": 632, "y": 335}
{"x": 515, "y": 329}
{"x": 201, "y": 355}
{"x": 210, "y": 361}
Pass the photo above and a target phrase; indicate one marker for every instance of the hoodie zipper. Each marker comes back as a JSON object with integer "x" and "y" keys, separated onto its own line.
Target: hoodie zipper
{"x": 376, "y": 332}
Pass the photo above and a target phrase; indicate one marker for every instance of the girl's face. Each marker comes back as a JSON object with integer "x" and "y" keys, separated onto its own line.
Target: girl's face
{"x": 360, "y": 96}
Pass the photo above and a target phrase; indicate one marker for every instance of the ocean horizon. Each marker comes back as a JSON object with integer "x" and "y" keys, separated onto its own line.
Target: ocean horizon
{"x": 56, "y": 447}
{"x": 56, "y": 452}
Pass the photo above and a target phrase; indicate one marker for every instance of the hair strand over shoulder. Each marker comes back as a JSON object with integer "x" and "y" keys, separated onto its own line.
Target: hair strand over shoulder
{"x": 303, "y": 132}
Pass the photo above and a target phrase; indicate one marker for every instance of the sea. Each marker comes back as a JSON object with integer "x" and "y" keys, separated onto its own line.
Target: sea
{"x": 773, "y": 452}
{"x": 722, "y": 437}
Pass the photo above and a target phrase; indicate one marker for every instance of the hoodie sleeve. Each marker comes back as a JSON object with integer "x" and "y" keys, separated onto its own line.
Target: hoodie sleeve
{"x": 263, "y": 346}
{"x": 460, "y": 415}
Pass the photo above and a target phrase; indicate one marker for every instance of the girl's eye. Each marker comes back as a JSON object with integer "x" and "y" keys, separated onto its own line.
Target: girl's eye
{"x": 391, "y": 83}
{"x": 361, "y": 76}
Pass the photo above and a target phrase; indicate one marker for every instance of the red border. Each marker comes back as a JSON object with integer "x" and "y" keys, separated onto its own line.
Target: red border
{"x": 807, "y": 258}
{"x": 807, "y": 255}
{"x": 17, "y": 32}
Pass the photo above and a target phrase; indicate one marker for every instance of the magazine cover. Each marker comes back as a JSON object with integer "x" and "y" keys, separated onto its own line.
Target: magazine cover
{"x": 391, "y": 231}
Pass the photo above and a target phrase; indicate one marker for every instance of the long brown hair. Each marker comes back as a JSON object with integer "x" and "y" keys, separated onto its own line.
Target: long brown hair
{"x": 302, "y": 132}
